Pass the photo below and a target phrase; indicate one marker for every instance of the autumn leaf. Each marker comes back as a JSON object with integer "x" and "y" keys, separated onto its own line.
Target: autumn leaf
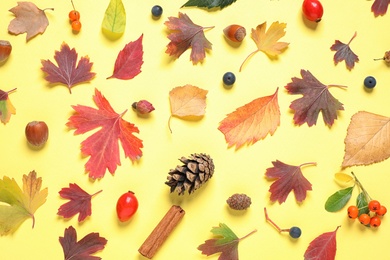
{"x": 185, "y": 34}
{"x": 252, "y": 122}
{"x": 187, "y": 101}
{"x": 267, "y": 41}
{"x": 288, "y": 178}
{"x": 28, "y": 19}
{"x": 322, "y": 247}
{"x": 344, "y": 52}
{"x": 226, "y": 243}
{"x": 67, "y": 73}
{"x": 209, "y": 3}
{"x": 18, "y": 204}
{"x": 129, "y": 61}
{"x": 102, "y": 146}
{"x": 82, "y": 249}
{"x": 316, "y": 98}
{"x": 379, "y": 7}
{"x": 367, "y": 140}
{"x": 6, "y": 107}
{"x": 115, "y": 17}
{"x": 79, "y": 202}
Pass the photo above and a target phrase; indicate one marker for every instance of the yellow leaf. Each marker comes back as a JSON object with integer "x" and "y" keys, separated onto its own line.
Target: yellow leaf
{"x": 343, "y": 179}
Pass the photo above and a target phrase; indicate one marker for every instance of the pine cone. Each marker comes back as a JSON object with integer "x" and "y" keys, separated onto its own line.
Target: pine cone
{"x": 197, "y": 169}
{"x": 239, "y": 201}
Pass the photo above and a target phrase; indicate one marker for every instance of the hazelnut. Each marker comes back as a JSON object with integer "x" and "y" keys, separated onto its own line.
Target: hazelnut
{"x": 37, "y": 133}
{"x": 5, "y": 50}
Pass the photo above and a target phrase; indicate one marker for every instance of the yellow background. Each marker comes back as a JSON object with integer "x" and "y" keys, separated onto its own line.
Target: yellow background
{"x": 236, "y": 171}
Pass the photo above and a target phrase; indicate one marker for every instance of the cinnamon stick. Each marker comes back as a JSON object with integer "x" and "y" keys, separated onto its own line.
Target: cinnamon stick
{"x": 161, "y": 231}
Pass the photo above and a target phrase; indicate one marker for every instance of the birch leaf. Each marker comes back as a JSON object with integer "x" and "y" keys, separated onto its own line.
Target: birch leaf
{"x": 115, "y": 17}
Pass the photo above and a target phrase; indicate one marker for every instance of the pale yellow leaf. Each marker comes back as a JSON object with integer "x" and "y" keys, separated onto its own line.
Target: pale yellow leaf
{"x": 188, "y": 100}
{"x": 343, "y": 179}
{"x": 267, "y": 41}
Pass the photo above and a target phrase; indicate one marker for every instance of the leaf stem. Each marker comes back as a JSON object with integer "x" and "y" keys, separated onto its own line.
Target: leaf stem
{"x": 169, "y": 123}
{"x": 208, "y": 27}
{"x": 251, "y": 54}
{"x": 96, "y": 193}
{"x": 353, "y": 37}
{"x": 337, "y": 86}
{"x": 247, "y": 235}
{"x": 52, "y": 9}
{"x": 368, "y": 197}
{"x": 308, "y": 163}
{"x": 12, "y": 90}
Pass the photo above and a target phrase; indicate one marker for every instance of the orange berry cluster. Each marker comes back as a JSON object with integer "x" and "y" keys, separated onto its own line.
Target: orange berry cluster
{"x": 372, "y": 217}
{"x": 74, "y": 18}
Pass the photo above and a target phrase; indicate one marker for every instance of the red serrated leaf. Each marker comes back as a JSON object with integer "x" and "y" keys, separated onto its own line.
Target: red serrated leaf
{"x": 103, "y": 145}
{"x": 82, "y": 249}
{"x": 129, "y": 61}
{"x": 288, "y": 178}
{"x": 322, "y": 247}
{"x": 80, "y": 202}
{"x": 67, "y": 73}
{"x": 316, "y": 98}
{"x": 344, "y": 52}
{"x": 379, "y": 7}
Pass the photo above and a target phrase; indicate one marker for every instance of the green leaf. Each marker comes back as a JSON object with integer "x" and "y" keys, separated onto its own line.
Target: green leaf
{"x": 339, "y": 199}
{"x": 362, "y": 204}
{"x": 115, "y": 17}
{"x": 209, "y": 3}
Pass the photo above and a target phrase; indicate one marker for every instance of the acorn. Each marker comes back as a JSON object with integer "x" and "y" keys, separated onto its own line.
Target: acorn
{"x": 235, "y": 32}
{"x": 5, "y": 50}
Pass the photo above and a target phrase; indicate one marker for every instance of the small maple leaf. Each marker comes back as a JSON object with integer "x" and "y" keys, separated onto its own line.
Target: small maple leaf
{"x": 6, "y": 107}
{"x": 80, "y": 202}
{"x": 28, "y": 19}
{"x": 209, "y": 3}
{"x": 102, "y": 146}
{"x": 226, "y": 243}
{"x": 19, "y": 204}
{"x": 344, "y": 52}
{"x": 379, "y": 7}
{"x": 83, "y": 248}
{"x": 185, "y": 34}
{"x": 288, "y": 178}
{"x": 67, "y": 73}
{"x": 267, "y": 41}
{"x": 316, "y": 98}
{"x": 322, "y": 247}
{"x": 367, "y": 140}
{"x": 129, "y": 61}
{"x": 252, "y": 122}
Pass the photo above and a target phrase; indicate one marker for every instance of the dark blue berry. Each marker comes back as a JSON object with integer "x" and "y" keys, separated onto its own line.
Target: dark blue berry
{"x": 369, "y": 82}
{"x": 295, "y": 232}
{"x": 157, "y": 11}
{"x": 229, "y": 78}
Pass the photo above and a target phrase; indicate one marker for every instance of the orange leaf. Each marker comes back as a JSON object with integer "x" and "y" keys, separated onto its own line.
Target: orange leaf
{"x": 252, "y": 122}
{"x": 367, "y": 140}
{"x": 267, "y": 41}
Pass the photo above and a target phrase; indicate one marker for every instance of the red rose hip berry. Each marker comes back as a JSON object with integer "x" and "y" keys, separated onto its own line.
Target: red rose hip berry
{"x": 37, "y": 133}
{"x": 312, "y": 10}
{"x": 126, "y": 206}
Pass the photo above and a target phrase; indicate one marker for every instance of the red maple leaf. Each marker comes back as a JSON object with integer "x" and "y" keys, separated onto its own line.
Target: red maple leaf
{"x": 80, "y": 202}
{"x": 82, "y": 249}
{"x": 322, "y": 247}
{"x": 288, "y": 178}
{"x": 129, "y": 61}
{"x": 67, "y": 72}
{"x": 102, "y": 146}
{"x": 344, "y": 52}
{"x": 185, "y": 34}
{"x": 316, "y": 98}
{"x": 379, "y": 7}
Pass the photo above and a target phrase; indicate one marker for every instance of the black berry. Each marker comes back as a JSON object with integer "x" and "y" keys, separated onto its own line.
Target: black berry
{"x": 157, "y": 11}
{"x": 295, "y": 232}
{"x": 229, "y": 78}
{"x": 369, "y": 82}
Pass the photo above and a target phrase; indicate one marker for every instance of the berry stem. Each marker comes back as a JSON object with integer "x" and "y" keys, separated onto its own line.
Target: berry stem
{"x": 270, "y": 221}
{"x": 368, "y": 197}
{"x": 247, "y": 235}
{"x": 72, "y": 4}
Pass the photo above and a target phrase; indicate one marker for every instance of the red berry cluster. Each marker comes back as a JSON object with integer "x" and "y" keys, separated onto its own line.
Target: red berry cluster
{"x": 371, "y": 218}
{"x": 74, "y": 18}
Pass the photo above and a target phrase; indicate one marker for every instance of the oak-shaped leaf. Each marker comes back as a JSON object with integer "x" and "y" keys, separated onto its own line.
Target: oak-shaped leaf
{"x": 19, "y": 204}
{"x": 28, "y": 19}
{"x": 187, "y": 102}
{"x": 268, "y": 41}
{"x": 316, "y": 98}
{"x": 103, "y": 146}
{"x": 225, "y": 242}
{"x": 79, "y": 202}
{"x": 82, "y": 249}
{"x": 379, "y": 7}
{"x": 367, "y": 140}
{"x": 322, "y": 247}
{"x": 6, "y": 107}
{"x": 209, "y": 3}
{"x": 129, "y": 61}
{"x": 344, "y": 52}
{"x": 287, "y": 178}
{"x": 67, "y": 72}
{"x": 185, "y": 34}
{"x": 252, "y": 122}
